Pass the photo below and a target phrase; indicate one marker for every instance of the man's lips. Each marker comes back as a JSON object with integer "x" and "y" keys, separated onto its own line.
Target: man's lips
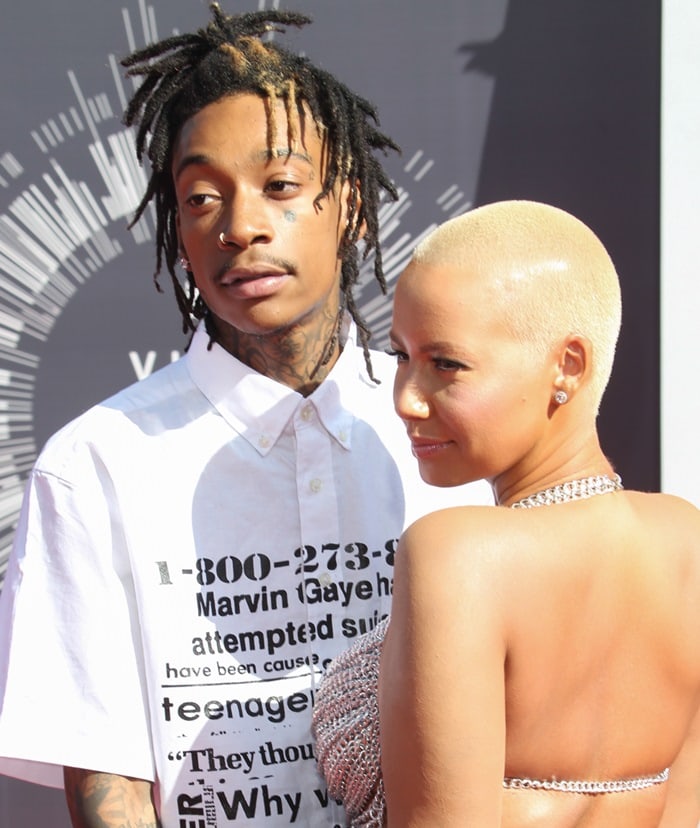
{"x": 235, "y": 275}
{"x": 255, "y": 281}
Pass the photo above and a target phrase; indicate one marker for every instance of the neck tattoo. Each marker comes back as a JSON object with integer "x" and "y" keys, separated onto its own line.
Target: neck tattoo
{"x": 580, "y": 489}
{"x": 330, "y": 346}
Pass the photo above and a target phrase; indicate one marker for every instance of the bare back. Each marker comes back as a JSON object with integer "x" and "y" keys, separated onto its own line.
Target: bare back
{"x": 597, "y": 607}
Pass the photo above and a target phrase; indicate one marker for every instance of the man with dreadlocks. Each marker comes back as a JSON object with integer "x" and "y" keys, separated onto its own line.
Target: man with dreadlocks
{"x": 204, "y": 542}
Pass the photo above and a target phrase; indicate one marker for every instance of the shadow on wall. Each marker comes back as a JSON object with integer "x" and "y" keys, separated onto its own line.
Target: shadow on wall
{"x": 577, "y": 126}
{"x": 23, "y": 804}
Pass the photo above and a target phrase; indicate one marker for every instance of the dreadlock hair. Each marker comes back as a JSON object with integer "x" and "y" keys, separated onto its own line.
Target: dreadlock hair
{"x": 184, "y": 73}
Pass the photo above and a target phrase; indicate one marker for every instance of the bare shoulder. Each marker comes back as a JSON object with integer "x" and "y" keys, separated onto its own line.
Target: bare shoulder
{"x": 664, "y": 504}
{"x": 449, "y": 569}
{"x": 462, "y": 550}
{"x": 482, "y": 530}
{"x": 674, "y": 518}
{"x": 447, "y": 532}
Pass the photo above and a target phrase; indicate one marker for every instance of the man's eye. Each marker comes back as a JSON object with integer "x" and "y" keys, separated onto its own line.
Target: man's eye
{"x": 199, "y": 199}
{"x": 282, "y": 186}
{"x": 399, "y": 355}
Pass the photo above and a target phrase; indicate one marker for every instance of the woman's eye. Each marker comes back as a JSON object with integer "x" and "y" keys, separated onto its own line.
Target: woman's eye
{"x": 399, "y": 355}
{"x": 448, "y": 364}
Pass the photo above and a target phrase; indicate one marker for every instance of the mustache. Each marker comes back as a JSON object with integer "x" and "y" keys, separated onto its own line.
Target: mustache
{"x": 257, "y": 264}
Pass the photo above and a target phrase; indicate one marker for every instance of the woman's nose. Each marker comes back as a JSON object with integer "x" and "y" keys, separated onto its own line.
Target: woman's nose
{"x": 409, "y": 402}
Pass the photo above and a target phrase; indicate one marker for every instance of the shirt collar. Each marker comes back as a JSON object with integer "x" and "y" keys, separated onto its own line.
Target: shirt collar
{"x": 260, "y": 408}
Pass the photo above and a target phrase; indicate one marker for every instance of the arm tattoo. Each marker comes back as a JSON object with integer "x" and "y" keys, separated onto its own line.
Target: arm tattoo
{"x": 106, "y": 800}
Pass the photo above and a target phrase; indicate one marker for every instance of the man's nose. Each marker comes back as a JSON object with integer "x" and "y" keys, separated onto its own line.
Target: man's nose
{"x": 247, "y": 222}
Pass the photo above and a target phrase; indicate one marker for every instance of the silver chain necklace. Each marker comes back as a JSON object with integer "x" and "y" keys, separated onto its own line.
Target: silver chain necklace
{"x": 571, "y": 490}
{"x": 584, "y": 786}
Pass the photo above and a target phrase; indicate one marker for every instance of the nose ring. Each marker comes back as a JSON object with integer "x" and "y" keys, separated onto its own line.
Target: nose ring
{"x": 224, "y": 242}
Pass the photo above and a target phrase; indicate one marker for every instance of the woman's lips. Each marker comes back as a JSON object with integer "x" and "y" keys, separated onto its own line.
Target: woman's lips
{"x": 425, "y": 448}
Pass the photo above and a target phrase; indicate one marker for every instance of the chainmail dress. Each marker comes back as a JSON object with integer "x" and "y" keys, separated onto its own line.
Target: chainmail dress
{"x": 346, "y": 728}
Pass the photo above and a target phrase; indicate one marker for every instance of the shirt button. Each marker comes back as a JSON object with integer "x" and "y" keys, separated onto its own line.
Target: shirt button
{"x": 264, "y": 442}
{"x": 307, "y": 412}
{"x": 343, "y": 436}
{"x": 316, "y": 485}
{"x": 325, "y": 579}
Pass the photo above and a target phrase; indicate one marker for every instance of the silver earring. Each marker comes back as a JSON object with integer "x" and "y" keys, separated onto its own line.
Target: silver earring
{"x": 561, "y": 397}
{"x": 185, "y": 263}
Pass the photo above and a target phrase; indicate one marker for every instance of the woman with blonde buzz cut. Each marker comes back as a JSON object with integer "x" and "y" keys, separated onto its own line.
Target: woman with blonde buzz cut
{"x": 541, "y": 666}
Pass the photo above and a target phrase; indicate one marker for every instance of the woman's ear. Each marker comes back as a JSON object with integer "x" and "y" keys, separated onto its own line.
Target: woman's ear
{"x": 573, "y": 363}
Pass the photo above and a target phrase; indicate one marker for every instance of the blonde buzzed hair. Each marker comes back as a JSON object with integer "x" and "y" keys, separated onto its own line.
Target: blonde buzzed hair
{"x": 550, "y": 273}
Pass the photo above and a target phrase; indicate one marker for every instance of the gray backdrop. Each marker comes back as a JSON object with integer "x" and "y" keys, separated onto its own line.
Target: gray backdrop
{"x": 555, "y": 100}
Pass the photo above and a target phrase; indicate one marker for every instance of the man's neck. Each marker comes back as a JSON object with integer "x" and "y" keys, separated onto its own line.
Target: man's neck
{"x": 300, "y": 357}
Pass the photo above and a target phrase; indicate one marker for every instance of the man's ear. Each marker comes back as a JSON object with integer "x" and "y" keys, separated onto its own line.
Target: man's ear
{"x": 180, "y": 245}
{"x": 181, "y": 251}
